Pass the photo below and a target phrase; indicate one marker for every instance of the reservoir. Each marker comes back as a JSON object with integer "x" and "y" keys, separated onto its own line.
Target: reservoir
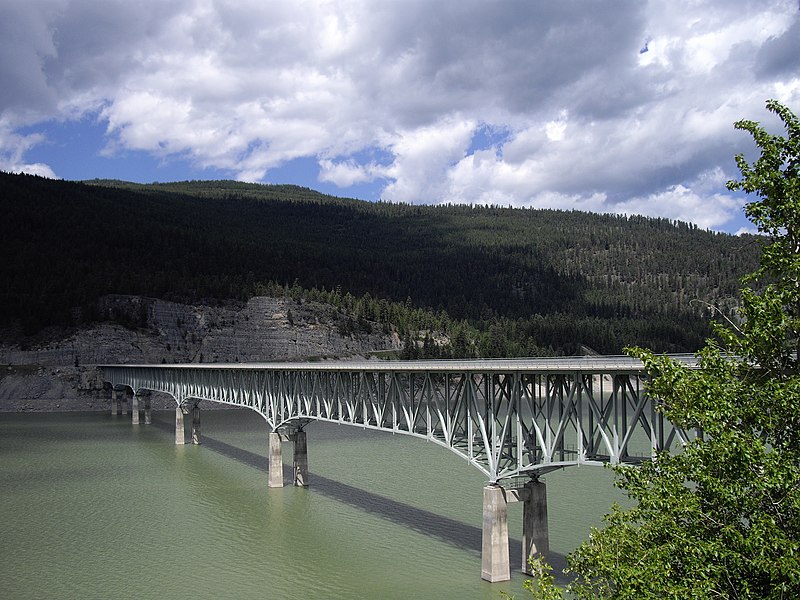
{"x": 93, "y": 507}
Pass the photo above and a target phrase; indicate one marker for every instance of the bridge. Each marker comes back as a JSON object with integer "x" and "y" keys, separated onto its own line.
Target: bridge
{"x": 514, "y": 419}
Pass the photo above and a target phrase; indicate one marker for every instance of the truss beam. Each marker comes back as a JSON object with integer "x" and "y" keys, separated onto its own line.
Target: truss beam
{"x": 507, "y": 418}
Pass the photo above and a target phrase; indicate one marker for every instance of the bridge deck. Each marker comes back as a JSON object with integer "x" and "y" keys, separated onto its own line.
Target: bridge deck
{"x": 569, "y": 364}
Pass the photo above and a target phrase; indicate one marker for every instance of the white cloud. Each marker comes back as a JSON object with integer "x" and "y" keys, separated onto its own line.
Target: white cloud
{"x": 40, "y": 169}
{"x": 248, "y": 86}
{"x": 13, "y": 148}
{"x": 423, "y": 157}
{"x": 348, "y": 172}
{"x": 556, "y": 129}
{"x": 746, "y": 230}
{"x": 681, "y": 203}
{"x": 788, "y": 92}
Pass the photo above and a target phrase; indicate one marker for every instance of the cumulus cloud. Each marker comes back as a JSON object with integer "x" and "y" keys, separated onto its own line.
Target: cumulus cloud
{"x": 347, "y": 173}
{"x": 682, "y": 203}
{"x": 423, "y": 156}
{"x": 590, "y": 119}
{"x": 13, "y": 148}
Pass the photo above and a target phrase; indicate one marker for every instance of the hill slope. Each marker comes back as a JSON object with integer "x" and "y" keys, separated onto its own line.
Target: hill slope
{"x": 526, "y": 280}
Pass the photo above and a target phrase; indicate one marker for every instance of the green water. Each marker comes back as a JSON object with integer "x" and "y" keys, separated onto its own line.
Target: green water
{"x": 93, "y": 507}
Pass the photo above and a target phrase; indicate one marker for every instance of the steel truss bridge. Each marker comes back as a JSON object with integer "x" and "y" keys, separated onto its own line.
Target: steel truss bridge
{"x": 508, "y": 418}
{"x": 514, "y": 420}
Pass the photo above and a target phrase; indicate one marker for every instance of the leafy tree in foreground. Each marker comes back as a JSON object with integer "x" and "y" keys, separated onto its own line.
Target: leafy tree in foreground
{"x": 721, "y": 519}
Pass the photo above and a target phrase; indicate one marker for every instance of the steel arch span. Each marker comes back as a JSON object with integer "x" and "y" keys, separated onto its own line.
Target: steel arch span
{"x": 508, "y": 418}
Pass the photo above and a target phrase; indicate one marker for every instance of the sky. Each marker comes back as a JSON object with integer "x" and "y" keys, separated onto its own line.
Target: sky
{"x": 612, "y": 107}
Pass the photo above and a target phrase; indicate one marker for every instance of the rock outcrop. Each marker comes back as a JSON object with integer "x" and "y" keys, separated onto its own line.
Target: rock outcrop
{"x": 62, "y": 374}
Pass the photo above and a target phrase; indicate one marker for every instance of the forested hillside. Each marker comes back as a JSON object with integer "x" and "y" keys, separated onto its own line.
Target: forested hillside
{"x": 501, "y": 281}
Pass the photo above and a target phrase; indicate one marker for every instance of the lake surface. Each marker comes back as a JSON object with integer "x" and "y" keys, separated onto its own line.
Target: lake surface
{"x": 93, "y": 507}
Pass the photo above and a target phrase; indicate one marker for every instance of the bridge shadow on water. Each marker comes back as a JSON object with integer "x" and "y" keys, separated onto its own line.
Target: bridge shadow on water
{"x": 450, "y": 531}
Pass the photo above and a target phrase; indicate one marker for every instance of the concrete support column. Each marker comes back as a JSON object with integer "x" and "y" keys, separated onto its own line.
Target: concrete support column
{"x": 196, "y": 424}
{"x": 180, "y": 434}
{"x": 135, "y": 409}
{"x": 494, "y": 551}
{"x": 114, "y": 403}
{"x": 148, "y": 415}
{"x": 300, "y": 459}
{"x": 124, "y": 403}
{"x": 275, "y": 460}
{"x": 535, "y": 531}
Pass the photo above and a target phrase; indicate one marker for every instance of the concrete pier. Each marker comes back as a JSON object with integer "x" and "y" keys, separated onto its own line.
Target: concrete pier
{"x": 300, "y": 459}
{"x": 180, "y": 434}
{"x": 535, "y": 531}
{"x": 124, "y": 399}
{"x": 494, "y": 548}
{"x": 114, "y": 403}
{"x": 275, "y": 460}
{"x": 196, "y": 424}
{"x": 135, "y": 409}
{"x": 148, "y": 413}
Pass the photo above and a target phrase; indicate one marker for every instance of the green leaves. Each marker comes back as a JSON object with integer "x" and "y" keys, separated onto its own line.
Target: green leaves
{"x": 721, "y": 518}
{"x": 775, "y": 178}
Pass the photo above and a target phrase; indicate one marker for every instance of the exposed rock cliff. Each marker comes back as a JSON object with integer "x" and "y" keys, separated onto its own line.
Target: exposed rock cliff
{"x": 62, "y": 374}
